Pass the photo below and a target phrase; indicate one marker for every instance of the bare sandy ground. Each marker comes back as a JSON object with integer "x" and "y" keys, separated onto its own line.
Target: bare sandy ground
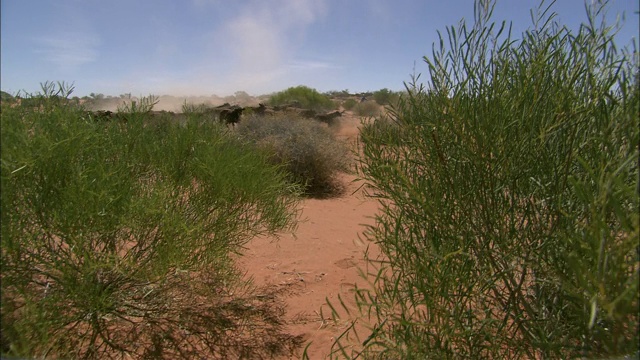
{"x": 320, "y": 261}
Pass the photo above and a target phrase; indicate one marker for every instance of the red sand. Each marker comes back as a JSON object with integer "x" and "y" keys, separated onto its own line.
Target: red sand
{"x": 319, "y": 262}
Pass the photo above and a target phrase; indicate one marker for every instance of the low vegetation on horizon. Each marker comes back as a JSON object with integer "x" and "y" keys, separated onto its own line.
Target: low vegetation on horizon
{"x": 299, "y": 96}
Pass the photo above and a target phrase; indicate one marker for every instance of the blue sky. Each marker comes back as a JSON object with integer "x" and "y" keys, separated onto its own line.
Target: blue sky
{"x": 206, "y": 47}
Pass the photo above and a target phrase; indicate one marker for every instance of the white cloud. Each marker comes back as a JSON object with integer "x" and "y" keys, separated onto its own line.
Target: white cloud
{"x": 69, "y": 49}
{"x": 311, "y": 65}
{"x": 254, "y": 48}
{"x": 255, "y": 44}
{"x": 299, "y": 12}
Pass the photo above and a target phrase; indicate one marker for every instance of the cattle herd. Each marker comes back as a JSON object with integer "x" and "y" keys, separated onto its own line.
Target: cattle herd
{"x": 232, "y": 114}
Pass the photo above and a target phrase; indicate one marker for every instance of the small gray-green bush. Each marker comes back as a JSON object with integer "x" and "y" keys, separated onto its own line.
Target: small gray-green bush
{"x": 118, "y": 238}
{"x": 309, "y": 151}
{"x": 510, "y": 199}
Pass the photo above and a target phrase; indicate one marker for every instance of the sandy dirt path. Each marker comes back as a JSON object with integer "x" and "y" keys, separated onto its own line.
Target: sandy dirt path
{"x": 319, "y": 262}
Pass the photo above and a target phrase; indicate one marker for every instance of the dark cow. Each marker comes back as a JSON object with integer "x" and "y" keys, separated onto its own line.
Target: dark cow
{"x": 223, "y": 106}
{"x": 231, "y": 115}
{"x": 106, "y": 116}
{"x": 227, "y": 113}
{"x": 103, "y": 115}
{"x": 329, "y": 118}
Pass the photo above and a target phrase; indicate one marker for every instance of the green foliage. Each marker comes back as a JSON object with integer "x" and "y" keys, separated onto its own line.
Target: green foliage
{"x": 510, "y": 199}
{"x": 137, "y": 110}
{"x": 51, "y": 95}
{"x": 386, "y": 97}
{"x": 308, "y": 151}
{"x": 6, "y": 97}
{"x": 349, "y": 104}
{"x": 118, "y": 238}
{"x": 302, "y": 97}
{"x": 194, "y": 109}
{"x": 142, "y": 106}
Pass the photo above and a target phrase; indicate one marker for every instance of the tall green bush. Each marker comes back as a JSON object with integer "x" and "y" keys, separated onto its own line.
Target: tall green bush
{"x": 509, "y": 194}
{"x": 303, "y": 97}
{"x": 118, "y": 238}
{"x": 386, "y": 97}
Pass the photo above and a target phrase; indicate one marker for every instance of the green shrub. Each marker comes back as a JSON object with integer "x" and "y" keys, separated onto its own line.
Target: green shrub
{"x": 303, "y": 97}
{"x": 510, "y": 203}
{"x": 386, "y": 97}
{"x": 51, "y": 95}
{"x": 191, "y": 108}
{"x": 309, "y": 151}
{"x": 349, "y": 104}
{"x": 118, "y": 238}
{"x": 6, "y": 97}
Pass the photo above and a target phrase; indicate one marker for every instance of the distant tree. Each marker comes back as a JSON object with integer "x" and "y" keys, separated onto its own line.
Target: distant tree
{"x": 341, "y": 94}
{"x": 385, "y": 97}
{"x": 5, "y": 96}
{"x": 305, "y": 97}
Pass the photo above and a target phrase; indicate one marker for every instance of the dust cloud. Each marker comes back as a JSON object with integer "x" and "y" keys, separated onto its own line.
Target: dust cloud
{"x": 175, "y": 103}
